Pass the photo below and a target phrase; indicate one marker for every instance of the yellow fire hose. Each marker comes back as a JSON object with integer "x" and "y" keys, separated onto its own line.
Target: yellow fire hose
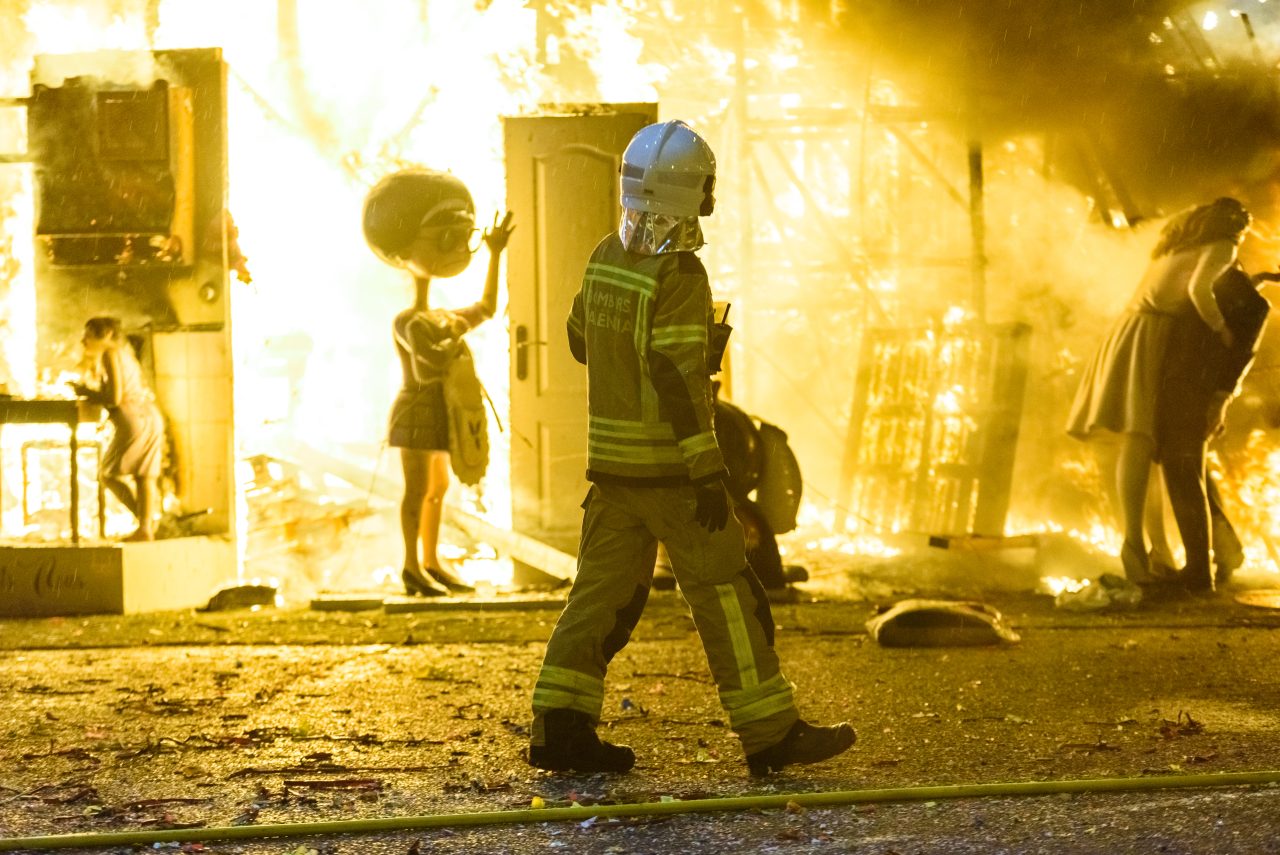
{"x": 646, "y": 809}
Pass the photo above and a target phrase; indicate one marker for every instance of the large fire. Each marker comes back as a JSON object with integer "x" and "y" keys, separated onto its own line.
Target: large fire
{"x": 836, "y": 185}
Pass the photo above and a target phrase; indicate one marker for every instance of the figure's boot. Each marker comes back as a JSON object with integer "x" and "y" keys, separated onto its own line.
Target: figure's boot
{"x": 804, "y": 743}
{"x": 441, "y": 576}
{"x": 1133, "y": 558}
{"x": 1198, "y": 580}
{"x": 572, "y": 745}
{"x": 1228, "y": 551}
{"x": 417, "y": 585}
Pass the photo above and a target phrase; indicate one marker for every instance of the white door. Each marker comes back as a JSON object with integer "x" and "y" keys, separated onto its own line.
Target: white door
{"x": 562, "y": 184}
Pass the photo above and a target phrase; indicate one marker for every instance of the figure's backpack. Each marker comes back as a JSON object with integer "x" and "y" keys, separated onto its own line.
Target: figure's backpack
{"x": 739, "y": 442}
{"x": 780, "y": 486}
{"x": 468, "y": 422}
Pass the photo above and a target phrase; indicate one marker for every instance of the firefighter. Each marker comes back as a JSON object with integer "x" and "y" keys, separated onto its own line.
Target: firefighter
{"x": 641, "y": 324}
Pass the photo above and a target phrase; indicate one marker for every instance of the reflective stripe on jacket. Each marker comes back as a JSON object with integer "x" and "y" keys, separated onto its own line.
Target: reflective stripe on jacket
{"x": 640, "y": 324}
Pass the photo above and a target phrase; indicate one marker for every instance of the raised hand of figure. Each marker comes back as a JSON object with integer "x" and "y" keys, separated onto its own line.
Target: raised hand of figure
{"x": 1266, "y": 276}
{"x": 497, "y": 235}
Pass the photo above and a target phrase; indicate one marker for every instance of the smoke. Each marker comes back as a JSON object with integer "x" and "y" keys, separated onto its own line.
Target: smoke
{"x": 828, "y": 222}
{"x": 1166, "y": 112}
{"x": 1005, "y": 66}
{"x": 1092, "y": 115}
{"x": 1141, "y": 112}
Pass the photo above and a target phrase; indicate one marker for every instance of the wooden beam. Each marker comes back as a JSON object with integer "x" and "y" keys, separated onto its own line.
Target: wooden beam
{"x": 981, "y": 543}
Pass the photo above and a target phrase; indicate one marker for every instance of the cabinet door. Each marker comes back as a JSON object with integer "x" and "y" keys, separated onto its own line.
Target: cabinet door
{"x": 562, "y": 184}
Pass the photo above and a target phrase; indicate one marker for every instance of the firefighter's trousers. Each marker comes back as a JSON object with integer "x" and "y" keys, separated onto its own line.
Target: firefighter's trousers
{"x": 620, "y": 533}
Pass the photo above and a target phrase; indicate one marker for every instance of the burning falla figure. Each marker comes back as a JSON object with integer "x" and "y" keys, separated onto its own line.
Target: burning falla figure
{"x": 642, "y": 324}
{"x": 423, "y": 221}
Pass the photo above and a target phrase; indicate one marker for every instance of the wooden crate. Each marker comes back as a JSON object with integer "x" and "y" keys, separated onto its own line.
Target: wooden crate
{"x": 934, "y": 428}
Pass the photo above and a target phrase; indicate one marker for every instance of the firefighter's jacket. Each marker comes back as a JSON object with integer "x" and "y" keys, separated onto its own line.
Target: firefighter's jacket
{"x": 640, "y": 324}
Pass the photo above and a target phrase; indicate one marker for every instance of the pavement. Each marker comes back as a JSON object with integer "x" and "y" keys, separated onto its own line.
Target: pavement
{"x": 290, "y": 715}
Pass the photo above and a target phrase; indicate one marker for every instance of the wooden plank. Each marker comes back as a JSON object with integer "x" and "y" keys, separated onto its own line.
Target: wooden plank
{"x": 982, "y": 543}
{"x": 513, "y": 544}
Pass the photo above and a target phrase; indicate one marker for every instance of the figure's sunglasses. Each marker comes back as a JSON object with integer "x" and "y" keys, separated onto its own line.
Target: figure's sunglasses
{"x": 452, "y": 238}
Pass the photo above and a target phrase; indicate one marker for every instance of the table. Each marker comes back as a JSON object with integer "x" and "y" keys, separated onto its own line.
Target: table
{"x": 50, "y": 411}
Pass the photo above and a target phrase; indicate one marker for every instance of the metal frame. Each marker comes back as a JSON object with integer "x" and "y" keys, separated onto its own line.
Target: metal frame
{"x": 56, "y": 445}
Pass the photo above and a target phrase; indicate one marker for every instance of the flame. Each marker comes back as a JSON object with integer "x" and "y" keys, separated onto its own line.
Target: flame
{"x": 309, "y": 132}
{"x": 1055, "y": 585}
{"x": 18, "y": 315}
{"x": 36, "y": 479}
{"x": 313, "y": 125}
{"x": 294, "y": 188}
{"x": 1251, "y": 493}
{"x": 865, "y": 544}
{"x": 603, "y": 33}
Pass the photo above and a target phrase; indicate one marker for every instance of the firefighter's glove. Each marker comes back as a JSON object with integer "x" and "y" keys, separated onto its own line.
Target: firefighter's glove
{"x": 712, "y": 511}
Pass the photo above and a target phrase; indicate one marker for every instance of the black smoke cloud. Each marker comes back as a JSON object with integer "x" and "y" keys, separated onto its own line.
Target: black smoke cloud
{"x": 1160, "y": 117}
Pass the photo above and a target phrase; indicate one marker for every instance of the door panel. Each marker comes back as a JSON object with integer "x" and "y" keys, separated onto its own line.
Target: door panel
{"x": 562, "y": 184}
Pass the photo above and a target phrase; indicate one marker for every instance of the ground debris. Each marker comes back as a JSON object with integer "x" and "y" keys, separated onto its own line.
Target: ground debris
{"x": 475, "y": 785}
{"x": 40, "y": 689}
{"x": 247, "y": 817}
{"x": 150, "y": 700}
{"x": 69, "y": 753}
{"x": 324, "y": 768}
{"x": 940, "y": 623}
{"x": 516, "y": 728}
{"x": 695, "y": 678}
{"x": 1089, "y": 747}
{"x": 138, "y": 813}
{"x": 62, "y": 794}
{"x": 171, "y": 745}
{"x": 1184, "y": 725}
{"x": 343, "y": 784}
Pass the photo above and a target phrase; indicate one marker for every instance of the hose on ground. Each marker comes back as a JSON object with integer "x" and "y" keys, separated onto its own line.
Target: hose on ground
{"x": 839, "y": 798}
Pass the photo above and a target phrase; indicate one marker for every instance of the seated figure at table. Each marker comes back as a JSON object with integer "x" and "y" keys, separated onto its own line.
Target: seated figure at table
{"x": 113, "y": 378}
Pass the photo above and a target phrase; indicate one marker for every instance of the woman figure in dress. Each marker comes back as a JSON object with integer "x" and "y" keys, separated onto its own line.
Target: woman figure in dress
{"x": 423, "y": 221}
{"x": 1119, "y": 390}
{"x": 114, "y": 380}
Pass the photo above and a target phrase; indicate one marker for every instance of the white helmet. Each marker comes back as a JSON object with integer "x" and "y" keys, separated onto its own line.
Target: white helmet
{"x": 668, "y": 169}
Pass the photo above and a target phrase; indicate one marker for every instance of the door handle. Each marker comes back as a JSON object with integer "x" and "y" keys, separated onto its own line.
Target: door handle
{"x": 523, "y": 343}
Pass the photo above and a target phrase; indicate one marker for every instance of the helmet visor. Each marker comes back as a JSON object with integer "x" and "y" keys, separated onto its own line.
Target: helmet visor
{"x": 647, "y": 233}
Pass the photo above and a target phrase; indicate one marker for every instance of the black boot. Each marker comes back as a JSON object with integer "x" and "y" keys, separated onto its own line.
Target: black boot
{"x": 1197, "y": 580}
{"x": 572, "y": 745}
{"x": 804, "y": 743}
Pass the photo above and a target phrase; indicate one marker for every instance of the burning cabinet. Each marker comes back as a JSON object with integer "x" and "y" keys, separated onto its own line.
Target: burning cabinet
{"x": 128, "y": 153}
{"x": 114, "y": 173}
{"x": 934, "y": 428}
